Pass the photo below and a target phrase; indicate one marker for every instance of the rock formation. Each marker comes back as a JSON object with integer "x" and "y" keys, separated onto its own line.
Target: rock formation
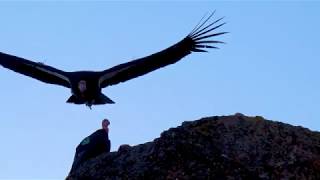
{"x": 226, "y": 147}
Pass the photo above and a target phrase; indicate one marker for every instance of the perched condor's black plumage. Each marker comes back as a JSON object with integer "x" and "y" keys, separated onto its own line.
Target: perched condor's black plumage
{"x": 86, "y": 85}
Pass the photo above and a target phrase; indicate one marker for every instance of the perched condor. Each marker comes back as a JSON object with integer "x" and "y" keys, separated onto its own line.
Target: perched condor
{"x": 86, "y": 85}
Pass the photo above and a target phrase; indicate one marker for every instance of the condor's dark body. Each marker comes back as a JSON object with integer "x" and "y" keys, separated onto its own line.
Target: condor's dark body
{"x": 86, "y": 86}
{"x": 93, "y": 93}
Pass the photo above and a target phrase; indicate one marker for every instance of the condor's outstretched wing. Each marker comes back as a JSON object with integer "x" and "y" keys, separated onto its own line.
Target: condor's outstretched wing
{"x": 38, "y": 71}
{"x": 196, "y": 41}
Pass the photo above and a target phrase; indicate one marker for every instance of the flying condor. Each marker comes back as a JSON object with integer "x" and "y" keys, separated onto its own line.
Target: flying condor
{"x": 86, "y": 85}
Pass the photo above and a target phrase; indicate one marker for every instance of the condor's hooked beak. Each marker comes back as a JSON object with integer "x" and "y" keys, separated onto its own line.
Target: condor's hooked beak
{"x": 82, "y": 85}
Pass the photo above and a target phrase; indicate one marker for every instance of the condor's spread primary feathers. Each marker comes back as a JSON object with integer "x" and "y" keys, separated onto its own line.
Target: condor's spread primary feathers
{"x": 86, "y": 85}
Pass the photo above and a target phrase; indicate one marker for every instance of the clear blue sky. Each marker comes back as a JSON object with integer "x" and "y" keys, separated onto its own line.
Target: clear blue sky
{"x": 269, "y": 67}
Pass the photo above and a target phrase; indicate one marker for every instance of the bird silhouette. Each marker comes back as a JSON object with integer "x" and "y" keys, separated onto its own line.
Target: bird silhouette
{"x": 86, "y": 86}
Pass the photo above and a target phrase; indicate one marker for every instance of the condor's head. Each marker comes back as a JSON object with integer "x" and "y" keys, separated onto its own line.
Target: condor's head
{"x": 82, "y": 86}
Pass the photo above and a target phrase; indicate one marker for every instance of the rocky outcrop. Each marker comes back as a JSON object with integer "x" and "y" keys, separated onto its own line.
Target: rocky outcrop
{"x": 226, "y": 147}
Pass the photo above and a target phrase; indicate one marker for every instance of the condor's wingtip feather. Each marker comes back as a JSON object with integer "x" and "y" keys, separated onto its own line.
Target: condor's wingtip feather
{"x": 210, "y": 41}
{"x": 204, "y": 30}
{"x": 201, "y": 31}
{"x": 198, "y": 50}
{"x": 210, "y": 35}
{"x": 200, "y": 23}
{"x": 205, "y": 46}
